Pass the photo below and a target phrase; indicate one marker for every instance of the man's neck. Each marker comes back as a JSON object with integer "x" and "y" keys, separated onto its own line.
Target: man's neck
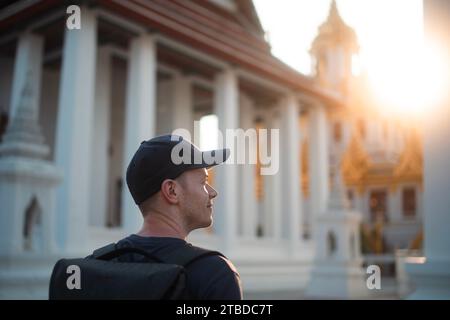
{"x": 160, "y": 225}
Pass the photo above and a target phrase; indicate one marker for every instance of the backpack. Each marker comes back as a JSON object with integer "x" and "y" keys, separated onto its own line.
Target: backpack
{"x": 99, "y": 277}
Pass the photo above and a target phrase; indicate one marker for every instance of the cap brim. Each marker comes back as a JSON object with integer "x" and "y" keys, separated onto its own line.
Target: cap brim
{"x": 212, "y": 158}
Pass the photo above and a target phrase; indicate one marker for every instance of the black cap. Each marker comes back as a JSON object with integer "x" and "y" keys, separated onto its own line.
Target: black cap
{"x": 166, "y": 157}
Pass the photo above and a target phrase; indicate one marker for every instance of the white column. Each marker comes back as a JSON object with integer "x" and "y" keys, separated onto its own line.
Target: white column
{"x": 140, "y": 116}
{"x": 358, "y": 200}
{"x": 318, "y": 162}
{"x": 436, "y": 186}
{"x": 365, "y": 200}
{"x": 370, "y": 133}
{"x": 101, "y": 140}
{"x": 28, "y": 58}
{"x": 432, "y": 278}
{"x": 419, "y": 208}
{"x": 378, "y": 132}
{"x": 196, "y": 136}
{"x": 226, "y": 106}
{"x": 290, "y": 166}
{"x": 395, "y": 212}
{"x": 182, "y": 104}
{"x": 74, "y": 131}
{"x": 272, "y": 188}
{"x": 248, "y": 171}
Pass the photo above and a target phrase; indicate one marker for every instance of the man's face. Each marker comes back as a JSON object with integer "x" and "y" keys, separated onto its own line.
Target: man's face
{"x": 197, "y": 198}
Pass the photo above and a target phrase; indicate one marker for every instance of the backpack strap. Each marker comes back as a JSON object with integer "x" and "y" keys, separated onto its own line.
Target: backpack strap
{"x": 111, "y": 251}
{"x": 182, "y": 256}
{"x": 104, "y": 250}
{"x": 188, "y": 254}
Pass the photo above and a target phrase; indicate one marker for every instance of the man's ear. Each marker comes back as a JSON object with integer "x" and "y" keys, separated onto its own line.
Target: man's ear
{"x": 170, "y": 191}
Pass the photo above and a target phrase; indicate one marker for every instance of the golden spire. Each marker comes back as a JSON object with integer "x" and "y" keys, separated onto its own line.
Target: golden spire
{"x": 335, "y": 31}
{"x": 410, "y": 165}
{"x": 333, "y": 14}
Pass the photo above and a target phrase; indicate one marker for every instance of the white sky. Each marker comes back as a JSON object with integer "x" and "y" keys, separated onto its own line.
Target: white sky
{"x": 404, "y": 69}
{"x": 386, "y": 29}
{"x": 404, "y": 77}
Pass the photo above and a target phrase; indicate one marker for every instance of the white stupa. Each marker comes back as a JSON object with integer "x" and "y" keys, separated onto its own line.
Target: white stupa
{"x": 27, "y": 197}
{"x": 337, "y": 271}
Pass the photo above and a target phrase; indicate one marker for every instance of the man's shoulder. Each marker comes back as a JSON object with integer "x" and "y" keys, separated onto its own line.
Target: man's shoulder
{"x": 215, "y": 261}
{"x": 215, "y": 277}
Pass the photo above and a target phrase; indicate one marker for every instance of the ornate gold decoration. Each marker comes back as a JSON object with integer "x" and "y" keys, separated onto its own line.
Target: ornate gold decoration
{"x": 355, "y": 163}
{"x": 410, "y": 165}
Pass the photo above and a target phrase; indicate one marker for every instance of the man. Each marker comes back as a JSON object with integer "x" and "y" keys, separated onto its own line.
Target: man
{"x": 174, "y": 199}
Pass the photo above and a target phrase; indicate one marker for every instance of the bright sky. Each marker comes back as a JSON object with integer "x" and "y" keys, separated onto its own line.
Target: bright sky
{"x": 382, "y": 26}
{"x": 390, "y": 35}
{"x": 404, "y": 74}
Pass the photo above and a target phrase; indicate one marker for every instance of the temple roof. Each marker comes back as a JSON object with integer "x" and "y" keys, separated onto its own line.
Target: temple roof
{"x": 236, "y": 37}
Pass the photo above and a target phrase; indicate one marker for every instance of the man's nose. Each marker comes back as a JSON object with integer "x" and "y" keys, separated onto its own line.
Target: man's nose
{"x": 212, "y": 192}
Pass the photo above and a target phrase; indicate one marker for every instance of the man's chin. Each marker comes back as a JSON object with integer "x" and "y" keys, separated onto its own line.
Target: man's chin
{"x": 208, "y": 223}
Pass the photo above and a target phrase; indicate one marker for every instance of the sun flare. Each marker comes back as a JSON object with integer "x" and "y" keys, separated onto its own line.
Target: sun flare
{"x": 407, "y": 83}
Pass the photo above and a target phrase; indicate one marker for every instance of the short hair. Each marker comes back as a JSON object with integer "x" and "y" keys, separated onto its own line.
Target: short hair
{"x": 148, "y": 203}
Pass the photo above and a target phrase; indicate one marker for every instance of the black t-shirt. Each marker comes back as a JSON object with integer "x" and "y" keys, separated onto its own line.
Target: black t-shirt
{"x": 208, "y": 278}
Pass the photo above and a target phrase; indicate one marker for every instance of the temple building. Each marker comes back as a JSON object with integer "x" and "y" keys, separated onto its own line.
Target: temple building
{"x": 381, "y": 155}
{"x": 82, "y": 85}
